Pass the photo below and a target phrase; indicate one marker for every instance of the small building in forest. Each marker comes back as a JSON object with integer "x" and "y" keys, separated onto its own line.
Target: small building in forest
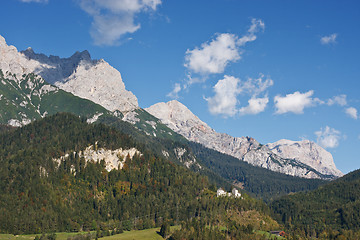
{"x": 234, "y": 193}
{"x": 221, "y": 193}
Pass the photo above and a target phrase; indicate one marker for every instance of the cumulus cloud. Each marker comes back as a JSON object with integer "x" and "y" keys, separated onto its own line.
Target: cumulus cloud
{"x": 339, "y": 100}
{"x": 255, "y": 87}
{"x": 112, "y": 19}
{"x": 328, "y": 137}
{"x": 352, "y": 112}
{"x": 36, "y": 1}
{"x": 224, "y": 102}
{"x": 331, "y": 39}
{"x": 256, "y": 105}
{"x": 213, "y": 57}
{"x": 295, "y": 102}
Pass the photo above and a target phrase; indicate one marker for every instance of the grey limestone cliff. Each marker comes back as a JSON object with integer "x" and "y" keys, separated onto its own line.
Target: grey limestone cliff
{"x": 181, "y": 120}
{"x": 94, "y": 80}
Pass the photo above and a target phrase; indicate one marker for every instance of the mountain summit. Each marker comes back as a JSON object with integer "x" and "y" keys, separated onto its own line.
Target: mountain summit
{"x": 94, "y": 80}
{"x": 305, "y": 159}
{"x": 307, "y": 152}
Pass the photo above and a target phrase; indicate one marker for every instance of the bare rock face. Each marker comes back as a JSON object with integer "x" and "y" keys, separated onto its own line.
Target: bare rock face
{"x": 114, "y": 159}
{"x": 12, "y": 61}
{"x": 94, "y": 80}
{"x": 306, "y": 152}
{"x": 181, "y": 120}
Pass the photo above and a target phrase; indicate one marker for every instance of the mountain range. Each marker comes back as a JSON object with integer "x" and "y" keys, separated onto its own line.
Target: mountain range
{"x": 301, "y": 158}
{"x": 35, "y": 85}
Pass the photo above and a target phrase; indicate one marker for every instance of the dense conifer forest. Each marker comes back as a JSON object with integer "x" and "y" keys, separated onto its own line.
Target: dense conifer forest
{"x": 222, "y": 169}
{"x": 260, "y": 182}
{"x": 40, "y": 195}
{"x": 37, "y": 195}
{"x": 329, "y": 212}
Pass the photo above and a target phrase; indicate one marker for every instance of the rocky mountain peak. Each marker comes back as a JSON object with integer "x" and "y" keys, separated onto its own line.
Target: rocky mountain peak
{"x": 2, "y": 41}
{"x": 11, "y": 61}
{"x": 75, "y": 58}
{"x": 84, "y": 55}
{"x": 180, "y": 119}
{"x": 94, "y": 80}
{"x": 304, "y": 159}
{"x": 307, "y": 152}
{"x": 174, "y": 111}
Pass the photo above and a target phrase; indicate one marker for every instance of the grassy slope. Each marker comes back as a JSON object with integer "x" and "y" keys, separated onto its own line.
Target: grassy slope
{"x": 147, "y": 234}
{"x": 62, "y": 101}
{"x": 11, "y": 98}
{"x": 160, "y": 130}
{"x": 14, "y": 95}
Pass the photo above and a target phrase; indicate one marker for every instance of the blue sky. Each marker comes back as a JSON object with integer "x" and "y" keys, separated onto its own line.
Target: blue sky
{"x": 266, "y": 69}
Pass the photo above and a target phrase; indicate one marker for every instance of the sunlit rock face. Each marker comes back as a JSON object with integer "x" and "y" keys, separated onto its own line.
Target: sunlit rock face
{"x": 94, "y": 80}
{"x": 308, "y": 161}
{"x": 306, "y": 152}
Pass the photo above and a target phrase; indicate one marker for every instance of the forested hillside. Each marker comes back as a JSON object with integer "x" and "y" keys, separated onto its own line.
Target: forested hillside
{"x": 38, "y": 195}
{"x": 222, "y": 169}
{"x": 261, "y": 182}
{"x": 328, "y": 211}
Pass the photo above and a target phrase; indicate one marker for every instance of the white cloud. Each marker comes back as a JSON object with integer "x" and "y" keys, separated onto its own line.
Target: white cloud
{"x": 114, "y": 18}
{"x": 213, "y": 57}
{"x": 36, "y": 1}
{"x": 331, "y": 39}
{"x": 352, "y": 112}
{"x": 224, "y": 102}
{"x": 175, "y": 92}
{"x": 256, "y": 105}
{"x": 255, "y": 86}
{"x": 295, "y": 102}
{"x": 328, "y": 138}
{"x": 257, "y": 25}
{"x": 339, "y": 100}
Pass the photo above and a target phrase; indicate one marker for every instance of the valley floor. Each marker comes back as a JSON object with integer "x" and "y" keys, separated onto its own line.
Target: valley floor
{"x": 147, "y": 234}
